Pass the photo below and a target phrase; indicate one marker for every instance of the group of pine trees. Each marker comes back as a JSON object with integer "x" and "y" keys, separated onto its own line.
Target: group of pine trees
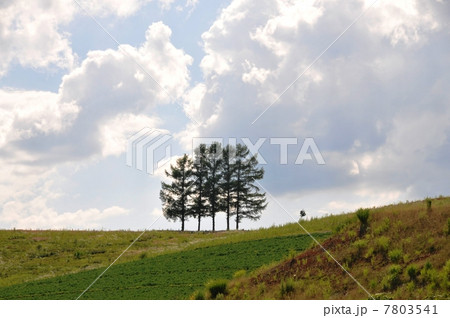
{"x": 216, "y": 180}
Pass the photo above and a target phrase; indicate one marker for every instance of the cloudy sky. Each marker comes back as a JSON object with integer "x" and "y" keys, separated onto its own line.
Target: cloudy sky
{"x": 368, "y": 81}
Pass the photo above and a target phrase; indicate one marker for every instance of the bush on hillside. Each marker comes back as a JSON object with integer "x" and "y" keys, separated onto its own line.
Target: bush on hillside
{"x": 382, "y": 244}
{"x": 240, "y": 273}
{"x": 428, "y": 201}
{"x": 216, "y": 287}
{"x": 286, "y": 287}
{"x": 393, "y": 279}
{"x": 412, "y": 272}
{"x": 395, "y": 255}
{"x": 363, "y": 217}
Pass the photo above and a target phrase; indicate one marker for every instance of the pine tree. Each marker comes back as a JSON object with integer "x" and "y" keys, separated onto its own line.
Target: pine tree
{"x": 249, "y": 202}
{"x": 175, "y": 196}
{"x": 213, "y": 186}
{"x": 227, "y": 183}
{"x": 199, "y": 207}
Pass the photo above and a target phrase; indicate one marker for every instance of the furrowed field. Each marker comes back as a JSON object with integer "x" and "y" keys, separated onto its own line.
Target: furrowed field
{"x": 169, "y": 276}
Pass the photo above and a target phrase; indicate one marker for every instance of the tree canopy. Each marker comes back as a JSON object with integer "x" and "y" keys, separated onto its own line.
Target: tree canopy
{"x": 216, "y": 180}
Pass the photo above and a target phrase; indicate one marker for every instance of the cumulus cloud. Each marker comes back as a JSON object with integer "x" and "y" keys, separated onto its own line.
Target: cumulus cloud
{"x": 114, "y": 132}
{"x": 404, "y": 21}
{"x": 99, "y": 103}
{"x": 375, "y": 102}
{"x": 107, "y": 7}
{"x": 372, "y": 95}
{"x": 30, "y": 34}
{"x": 109, "y": 96}
{"x": 33, "y": 34}
{"x": 38, "y": 216}
{"x": 26, "y": 114}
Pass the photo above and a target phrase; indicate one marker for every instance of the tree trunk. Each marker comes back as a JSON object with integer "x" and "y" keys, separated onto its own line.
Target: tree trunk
{"x": 199, "y": 217}
{"x": 228, "y": 210}
{"x": 238, "y": 198}
{"x": 213, "y": 222}
{"x": 182, "y": 223}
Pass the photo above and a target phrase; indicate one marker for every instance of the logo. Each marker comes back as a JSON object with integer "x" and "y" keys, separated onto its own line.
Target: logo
{"x": 308, "y": 148}
{"x": 148, "y": 149}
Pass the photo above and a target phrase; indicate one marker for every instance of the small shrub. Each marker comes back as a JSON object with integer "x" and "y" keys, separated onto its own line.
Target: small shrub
{"x": 220, "y": 296}
{"x": 429, "y": 276}
{"x": 406, "y": 258}
{"x": 351, "y": 234}
{"x": 261, "y": 288}
{"x": 77, "y": 255}
{"x": 445, "y": 275}
{"x": 383, "y": 227}
{"x": 240, "y": 273}
{"x": 292, "y": 254}
{"x": 411, "y": 287}
{"x": 431, "y": 245}
{"x": 198, "y": 295}
{"x": 393, "y": 279}
{"x": 143, "y": 255}
{"x": 428, "y": 201}
{"x": 369, "y": 253}
{"x": 382, "y": 244}
{"x": 412, "y": 272}
{"x": 286, "y": 287}
{"x": 216, "y": 287}
{"x": 360, "y": 245}
{"x": 365, "y": 272}
{"x": 395, "y": 255}
{"x": 363, "y": 217}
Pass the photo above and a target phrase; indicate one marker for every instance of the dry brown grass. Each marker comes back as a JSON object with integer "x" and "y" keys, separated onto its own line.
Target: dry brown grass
{"x": 398, "y": 236}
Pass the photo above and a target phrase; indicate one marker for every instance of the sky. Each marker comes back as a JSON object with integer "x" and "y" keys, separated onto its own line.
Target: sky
{"x": 361, "y": 84}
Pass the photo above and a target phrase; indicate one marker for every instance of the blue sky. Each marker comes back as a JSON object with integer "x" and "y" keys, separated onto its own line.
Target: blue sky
{"x": 376, "y": 102}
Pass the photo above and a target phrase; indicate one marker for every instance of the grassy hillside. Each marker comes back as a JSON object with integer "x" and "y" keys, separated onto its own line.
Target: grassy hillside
{"x": 31, "y": 255}
{"x": 405, "y": 254}
{"x": 168, "y": 276}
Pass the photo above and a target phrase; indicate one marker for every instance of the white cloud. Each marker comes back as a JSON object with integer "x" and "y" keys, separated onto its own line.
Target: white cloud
{"x": 30, "y": 34}
{"x": 115, "y": 132}
{"x": 157, "y": 212}
{"x": 254, "y": 74}
{"x": 117, "y": 7}
{"x": 401, "y": 21}
{"x": 369, "y": 101}
{"x": 276, "y": 32}
{"x": 375, "y": 102}
{"x": 35, "y": 215}
{"x": 26, "y": 114}
{"x": 99, "y": 104}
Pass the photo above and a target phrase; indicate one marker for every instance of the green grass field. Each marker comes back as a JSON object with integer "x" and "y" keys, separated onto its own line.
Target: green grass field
{"x": 168, "y": 276}
{"x": 30, "y": 255}
{"x": 403, "y": 255}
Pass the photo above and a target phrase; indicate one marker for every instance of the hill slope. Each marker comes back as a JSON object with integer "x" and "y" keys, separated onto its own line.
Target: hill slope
{"x": 405, "y": 254}
{"x": 31, "y": 255}
{"x": 169, "y": 276}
